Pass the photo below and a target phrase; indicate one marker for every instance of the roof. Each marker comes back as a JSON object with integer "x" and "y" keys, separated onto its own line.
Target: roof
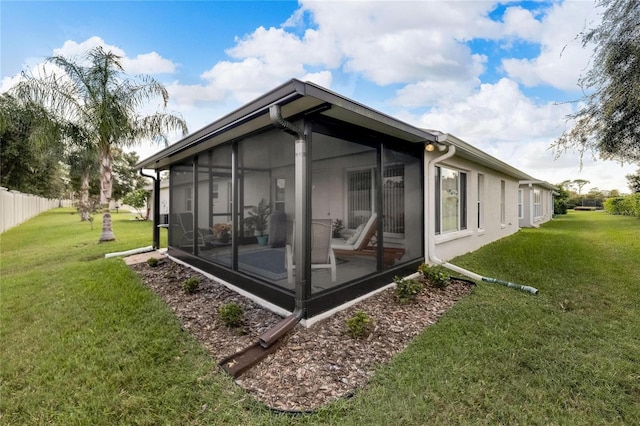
{"x": 295, "y": 98}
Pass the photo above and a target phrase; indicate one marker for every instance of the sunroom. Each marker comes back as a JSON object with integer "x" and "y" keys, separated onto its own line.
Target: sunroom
{"x": 303, "y": 199}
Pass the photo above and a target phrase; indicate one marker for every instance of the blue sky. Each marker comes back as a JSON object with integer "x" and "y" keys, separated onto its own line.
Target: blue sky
{"x": 496, "y": 74}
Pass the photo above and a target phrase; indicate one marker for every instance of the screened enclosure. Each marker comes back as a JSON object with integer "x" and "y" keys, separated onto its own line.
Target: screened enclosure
{"x": 232, "y": 212}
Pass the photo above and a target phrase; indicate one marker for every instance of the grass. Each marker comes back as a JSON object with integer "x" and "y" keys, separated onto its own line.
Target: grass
{"x": 83, "y": 342}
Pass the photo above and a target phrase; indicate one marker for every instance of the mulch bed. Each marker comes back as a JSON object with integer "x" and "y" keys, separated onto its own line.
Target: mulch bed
{"x": 314, "y": 365}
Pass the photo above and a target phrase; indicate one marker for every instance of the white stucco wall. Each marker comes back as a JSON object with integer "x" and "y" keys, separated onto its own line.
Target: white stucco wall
{"x": 529, "y": 218}
{"x": 452, "y": 244}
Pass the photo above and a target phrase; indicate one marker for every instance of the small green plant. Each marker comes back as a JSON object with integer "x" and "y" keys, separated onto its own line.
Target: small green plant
{"x": 360, "y": 325}
{"x": 407, "y": 289}
{"x": 436, "y": 275}
{"x": 190, "y": 285}
{"x": 338, "y": 227}
{"x": 231, "y": 314}
{"x": 153, "y": 262}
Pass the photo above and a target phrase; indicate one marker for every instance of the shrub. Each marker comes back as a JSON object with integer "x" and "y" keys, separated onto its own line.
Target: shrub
{"x": 436, "y": 275}
{"x": 407, "y": 290}
{"x": 628, "y": 205}
{"x": 190, "y": 285}
{"x": 560, "y": 206}
{"x": 231, "y": 314}
{"x": 153, "y": 262}
{"x": 360, "y": 325}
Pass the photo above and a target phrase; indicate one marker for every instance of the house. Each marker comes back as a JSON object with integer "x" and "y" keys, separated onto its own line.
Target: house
{"x": 256, "y": 195}
{"x": 535, "y": 203}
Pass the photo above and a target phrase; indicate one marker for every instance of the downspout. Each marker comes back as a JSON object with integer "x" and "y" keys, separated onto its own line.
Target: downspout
{"x": 301, "y": 173}
{"x": 156, "y": 208}
{"x": 531, "y": 206}
{"x": 269, "y": 341}
{"x": 430, "y": 225}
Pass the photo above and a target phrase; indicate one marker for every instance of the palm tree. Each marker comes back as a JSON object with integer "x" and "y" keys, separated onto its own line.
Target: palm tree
{"x": 81, "y": 158}
{"x": 95, "y": 95}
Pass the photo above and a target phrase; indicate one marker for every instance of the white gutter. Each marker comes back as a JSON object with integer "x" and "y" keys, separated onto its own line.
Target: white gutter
{"x": 430, "y": 226}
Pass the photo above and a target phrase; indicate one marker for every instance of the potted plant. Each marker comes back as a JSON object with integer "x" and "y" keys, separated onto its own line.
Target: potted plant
{"x": 338, "y": 227}
{"x": 258, "y": 219}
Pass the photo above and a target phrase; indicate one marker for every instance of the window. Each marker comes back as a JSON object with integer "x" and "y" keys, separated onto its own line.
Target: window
{"x": 360, "y": 198}
{"x": 451, "y": 200}
{"x": 214, "y": 192}
{"x": 279, "y": 194}
{"x": 393, "y": 199}
{"x": 188, "y": 197}
{"x": 520, "y": 204}
{"x": 537, "y": 203}
{"x": 503, "y": 206}
{"x": 480, "y": 201}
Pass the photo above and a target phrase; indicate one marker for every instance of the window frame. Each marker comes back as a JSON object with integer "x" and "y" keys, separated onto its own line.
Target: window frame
{"x": 537, "y": 203}
{"x": 462, "y": 182}
{"x": 372, "y": 196}
{"x": 520, "y": 203}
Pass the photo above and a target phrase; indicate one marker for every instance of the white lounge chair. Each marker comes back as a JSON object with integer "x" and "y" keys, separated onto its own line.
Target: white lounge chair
{"x": 322, "y": 256}
{"x": 363, "y": 243}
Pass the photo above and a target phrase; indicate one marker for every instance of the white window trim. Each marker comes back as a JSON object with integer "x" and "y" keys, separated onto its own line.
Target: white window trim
{"x": 537, "y": 204}
{"x": 453, "y": 235}
{"x": 461, "y": 211}
{"x": 520, "y": 203}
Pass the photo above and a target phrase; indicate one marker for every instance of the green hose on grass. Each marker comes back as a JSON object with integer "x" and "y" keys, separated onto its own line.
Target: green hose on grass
{"x": 511, "y": 285}
{"x": 479, "y": 277}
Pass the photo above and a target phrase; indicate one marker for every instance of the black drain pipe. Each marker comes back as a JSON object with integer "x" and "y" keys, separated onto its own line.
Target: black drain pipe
{"x": 301, "y": 257}
{"x": 156, "y": 208}
{"x": 270, "y": 340}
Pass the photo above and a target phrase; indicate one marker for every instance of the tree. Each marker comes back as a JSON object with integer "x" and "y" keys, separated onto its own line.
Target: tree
{"x": 608, "y": 122}
{"x": 31, "y": 149}
{"x": 139, "y": 200}
{"x": 580, "y": 183}
{"x": 633, "y": 180}
{"x": 125, "y": 177}
{"x": 95, "y": 95}
{"x": 83, "y": 168}
{"x": 561, "y": 200}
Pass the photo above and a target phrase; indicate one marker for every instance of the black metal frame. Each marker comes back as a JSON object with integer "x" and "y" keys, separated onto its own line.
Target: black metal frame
{"x": 314, "y": 303}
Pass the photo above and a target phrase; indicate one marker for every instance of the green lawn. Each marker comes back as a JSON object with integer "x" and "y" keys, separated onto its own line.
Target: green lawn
{"x": 83, "y": 342}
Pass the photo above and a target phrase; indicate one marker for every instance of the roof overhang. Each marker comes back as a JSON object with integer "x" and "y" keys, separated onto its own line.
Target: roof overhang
{"x": 540, "y": 183}
{"x": 471, "y": 153}
{"x": 296, "y": 98}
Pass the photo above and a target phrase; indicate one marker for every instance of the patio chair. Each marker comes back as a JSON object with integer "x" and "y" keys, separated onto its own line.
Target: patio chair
{"x": 184, "y": 226}
{"x": 363, "y": 243}
{"x": 322, "y": 256}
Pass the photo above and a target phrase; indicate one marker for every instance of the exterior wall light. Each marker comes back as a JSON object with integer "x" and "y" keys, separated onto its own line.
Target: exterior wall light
{"x": 430, "y": 147}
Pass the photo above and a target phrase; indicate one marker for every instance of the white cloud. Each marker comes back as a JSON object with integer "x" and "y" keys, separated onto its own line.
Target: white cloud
{"x": 71, "y": 49}
{"x": 500, "y": 120}
{"x": 148, "y": 63}
{"x": 562, "y": 58}
{"x": 322, "y": 78}
{"x": 403, "y": 42}
{"x": 500, "y": 112}
{"x": 437, "y": 91}
{"x": 187, "y": 95}
{"x": 9, "y": 82}
{"x": 521, "y": 23}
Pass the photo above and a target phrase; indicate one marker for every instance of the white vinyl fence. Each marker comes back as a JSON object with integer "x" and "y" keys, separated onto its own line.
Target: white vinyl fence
{"x": 16, "y": 207}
